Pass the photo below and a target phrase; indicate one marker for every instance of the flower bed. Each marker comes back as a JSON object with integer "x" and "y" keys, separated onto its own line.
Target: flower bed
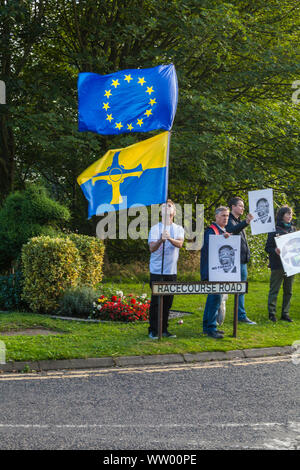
{"x": 119, "y": 307}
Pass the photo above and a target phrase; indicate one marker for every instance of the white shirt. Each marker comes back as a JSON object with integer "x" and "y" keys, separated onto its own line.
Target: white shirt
{"x": 171, "y": 252}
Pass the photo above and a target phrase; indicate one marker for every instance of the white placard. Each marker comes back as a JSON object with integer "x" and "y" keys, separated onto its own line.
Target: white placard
{"x": 261, "y": 207}
{"x": 289, "y": 246}
{"x": 224, "y": 258}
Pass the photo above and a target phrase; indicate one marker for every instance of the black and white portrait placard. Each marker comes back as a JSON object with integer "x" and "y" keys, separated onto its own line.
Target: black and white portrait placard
{"x": 261, "y": 207}
{"x": 224, "y": 258}
{"x": 289, "y": 246}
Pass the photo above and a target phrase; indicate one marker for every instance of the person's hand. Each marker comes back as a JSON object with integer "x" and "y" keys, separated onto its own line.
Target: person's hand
{"x": 249, "y": 218}
{"x": 226, "y": 235}
{"x": 165, "y": 235}
{"x": 277, "y": 250}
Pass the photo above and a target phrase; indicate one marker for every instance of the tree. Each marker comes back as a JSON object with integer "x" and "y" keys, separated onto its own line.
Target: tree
{"x": 236, "y": 128}
{"x": 26, "y": 214}
{"x": 22, "y": 24}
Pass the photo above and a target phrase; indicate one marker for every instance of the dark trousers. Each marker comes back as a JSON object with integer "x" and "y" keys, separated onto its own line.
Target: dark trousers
{"x": 277, "y": 278}
{"x": 212, "y": 306}
{"x": 167, "y": 304}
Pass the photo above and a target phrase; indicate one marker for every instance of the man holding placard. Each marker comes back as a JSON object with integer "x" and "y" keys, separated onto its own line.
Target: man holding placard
{"x": 213, "y": 301}
{"x": 237, "y": 227}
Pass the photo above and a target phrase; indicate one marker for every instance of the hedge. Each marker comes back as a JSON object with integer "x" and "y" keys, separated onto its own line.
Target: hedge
{"x": 50, "y": 266}
{"x": 10, "y": 292}
{"x": 91, "y": 251}
{"x": 53, "y": 265}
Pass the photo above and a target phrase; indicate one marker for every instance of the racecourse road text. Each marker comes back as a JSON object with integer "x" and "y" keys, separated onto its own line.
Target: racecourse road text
{"x": 199, "y": 288}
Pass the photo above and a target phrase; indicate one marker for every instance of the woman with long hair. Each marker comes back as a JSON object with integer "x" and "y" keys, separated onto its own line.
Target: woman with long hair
{"x": 283, "y": 226}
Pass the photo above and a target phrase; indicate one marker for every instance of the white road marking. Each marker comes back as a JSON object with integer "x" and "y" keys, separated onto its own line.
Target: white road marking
{"x": 292, "y": 424}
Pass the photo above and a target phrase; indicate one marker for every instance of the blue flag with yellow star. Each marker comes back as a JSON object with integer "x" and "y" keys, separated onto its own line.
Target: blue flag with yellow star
{"x": 133, "y": 100}
{"x": 132, "y": 176}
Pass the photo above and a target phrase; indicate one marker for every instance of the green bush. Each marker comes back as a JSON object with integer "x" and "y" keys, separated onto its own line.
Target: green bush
{"x": 134, "y": 272}
{"x": 259, "y": 257}
{"x": 11, "y": 291}
{"x": 53, "y": 265}
{"x": 77, "y": 302}
{"x": 258, "y": 264}
{"x": 50, "y": 266}
{"x": 91, "y": 251}
{"x": 27, "y": 214}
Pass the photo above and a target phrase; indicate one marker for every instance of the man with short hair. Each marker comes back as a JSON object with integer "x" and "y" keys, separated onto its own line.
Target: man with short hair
{"x": 165, "y": 239}
{"x": 236, "y": 227}
{"x": 213, "y": 301}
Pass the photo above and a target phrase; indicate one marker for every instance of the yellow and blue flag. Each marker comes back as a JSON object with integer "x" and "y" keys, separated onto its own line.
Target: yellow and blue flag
{"x": 139, "y": 172}
{"x": 133, "y": 100}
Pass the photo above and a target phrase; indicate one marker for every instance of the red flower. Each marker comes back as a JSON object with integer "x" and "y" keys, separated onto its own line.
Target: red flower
{"x": 126, "y": 309}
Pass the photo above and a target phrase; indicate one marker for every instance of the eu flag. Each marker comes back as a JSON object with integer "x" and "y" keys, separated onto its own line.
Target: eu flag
{"x": 138, "y": 172}
{"x": 133, "y": 100}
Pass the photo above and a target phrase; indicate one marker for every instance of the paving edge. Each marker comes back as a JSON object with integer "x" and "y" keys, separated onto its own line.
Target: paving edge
{"x": 127, "y": 361}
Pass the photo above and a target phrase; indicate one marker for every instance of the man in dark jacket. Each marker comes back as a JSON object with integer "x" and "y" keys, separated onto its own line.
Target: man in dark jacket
{"x": 283, "y": 226}
{"x": 213, "y": 301}
{"x": 236, "y": 227}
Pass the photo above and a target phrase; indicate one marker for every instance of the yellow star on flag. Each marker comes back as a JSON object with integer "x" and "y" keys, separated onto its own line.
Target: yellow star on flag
{"x": 139, "y": 122}
{"x": 129, "y": 127}
{"x": 128, "y": 78}
{"x": 153, "y": 101}
{"x": 119, "y": 125}
{"x": 141, "y": 81}
{"x": 149, "y": 90}
{"x": 109, "y": 117}
{"x": 148, "y": 112}
{"x": 107, "y": 93}
{"x": 105, "y": 106}
{"x": 115, "y": 83}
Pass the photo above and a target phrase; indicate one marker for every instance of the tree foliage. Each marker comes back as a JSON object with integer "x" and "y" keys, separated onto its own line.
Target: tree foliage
{"x": 236, "y": 128}
{"x": 27, "y": 214}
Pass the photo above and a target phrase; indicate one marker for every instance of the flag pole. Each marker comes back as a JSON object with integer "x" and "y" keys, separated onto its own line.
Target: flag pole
{"x": 160, "y": 299}
{"x": 166, "y": 198}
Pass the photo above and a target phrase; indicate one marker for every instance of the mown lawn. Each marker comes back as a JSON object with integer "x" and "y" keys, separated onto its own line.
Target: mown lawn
{"x": 75, "y": 339}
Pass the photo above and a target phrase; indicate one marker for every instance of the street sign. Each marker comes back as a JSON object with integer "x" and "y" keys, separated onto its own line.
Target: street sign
{"x": 195, "y": 288}
{"x": 204, "y": 287}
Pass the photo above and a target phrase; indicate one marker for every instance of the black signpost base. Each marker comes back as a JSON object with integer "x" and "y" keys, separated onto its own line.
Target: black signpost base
{"x": 235, "y": 315}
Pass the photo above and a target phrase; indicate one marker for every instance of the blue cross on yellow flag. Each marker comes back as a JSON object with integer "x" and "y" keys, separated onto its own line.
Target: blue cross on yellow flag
{"x": 138, "y": 172}
{"x": 133, "y": 100}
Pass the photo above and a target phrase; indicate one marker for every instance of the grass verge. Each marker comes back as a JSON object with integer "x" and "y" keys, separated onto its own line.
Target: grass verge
{"x": 76, "y": 339}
